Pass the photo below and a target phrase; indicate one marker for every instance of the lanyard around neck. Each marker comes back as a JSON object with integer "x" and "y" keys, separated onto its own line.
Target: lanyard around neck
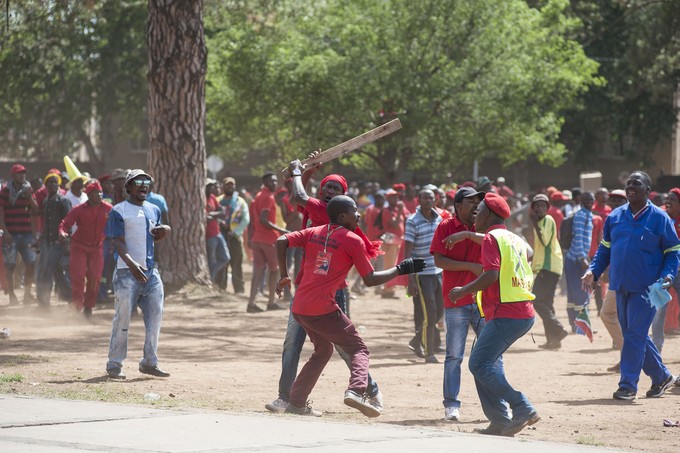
{"x": 329, "y": 235}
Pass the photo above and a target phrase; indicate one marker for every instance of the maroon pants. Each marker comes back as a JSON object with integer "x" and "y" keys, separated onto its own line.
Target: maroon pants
{"x": 325, "y": 331}
{"x": 86, "y": 271}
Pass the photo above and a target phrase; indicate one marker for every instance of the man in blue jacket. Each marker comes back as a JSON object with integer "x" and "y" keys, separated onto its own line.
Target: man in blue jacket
{"x": 641, "y": 246}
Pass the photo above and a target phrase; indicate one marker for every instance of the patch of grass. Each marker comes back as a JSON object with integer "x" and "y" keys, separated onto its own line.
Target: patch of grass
{"x": 5, "y": 378}
{"x": 589, "y": 440}
{"x": 20, "y": 359}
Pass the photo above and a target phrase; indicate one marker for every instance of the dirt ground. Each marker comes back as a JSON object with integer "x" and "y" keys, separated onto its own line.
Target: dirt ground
{"x": 222, "y": 358}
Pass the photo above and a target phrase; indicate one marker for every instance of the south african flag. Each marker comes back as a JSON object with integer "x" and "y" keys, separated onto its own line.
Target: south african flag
{"x": 582, "y": 322}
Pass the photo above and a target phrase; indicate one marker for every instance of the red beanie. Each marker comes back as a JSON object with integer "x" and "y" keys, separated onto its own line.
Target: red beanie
{"x": 676, "y": 191}
{"x": 497, "y": 205}
{"x": 336, "y": 178}
{"x": 399, "y": 186}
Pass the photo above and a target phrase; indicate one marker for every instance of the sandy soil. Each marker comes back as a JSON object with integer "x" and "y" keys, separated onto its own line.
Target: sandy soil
{"x": 222, "y": 358}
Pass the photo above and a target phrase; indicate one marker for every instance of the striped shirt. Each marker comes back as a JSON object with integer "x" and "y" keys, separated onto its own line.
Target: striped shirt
{"x": 582, "y": 234}
{"x": 17, "y": 216}
{"x": 419, "y": 231}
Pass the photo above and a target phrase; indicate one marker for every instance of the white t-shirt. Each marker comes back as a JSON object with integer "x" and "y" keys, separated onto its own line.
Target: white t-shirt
{"x": 135, "y": 223}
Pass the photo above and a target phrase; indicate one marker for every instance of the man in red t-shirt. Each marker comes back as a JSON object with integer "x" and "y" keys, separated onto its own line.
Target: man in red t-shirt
{"x": 216, "y": 245}
{"x": 601, "y": 207}
{"x": 557, "y": 200}
{"x": 262, "y": 235}
{"x": 315, "y": 212}
{"x": 508, "y": 316}
{"x": 330, "y": 252}
{"x": 393, "y": 223}
{"x": 461, "y": 264}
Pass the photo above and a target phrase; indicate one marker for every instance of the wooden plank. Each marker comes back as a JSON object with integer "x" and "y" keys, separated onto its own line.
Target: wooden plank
{"x": 351, "y": 144}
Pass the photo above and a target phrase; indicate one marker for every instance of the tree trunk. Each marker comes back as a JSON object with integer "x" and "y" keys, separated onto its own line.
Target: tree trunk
{"x": 177, "y": 67}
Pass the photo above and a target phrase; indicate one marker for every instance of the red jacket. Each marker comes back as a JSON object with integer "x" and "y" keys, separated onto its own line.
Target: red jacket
{"x": 91, "y": 223}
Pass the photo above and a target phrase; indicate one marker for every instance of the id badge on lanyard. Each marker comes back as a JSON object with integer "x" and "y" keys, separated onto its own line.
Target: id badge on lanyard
{"x": 323, "y": 259}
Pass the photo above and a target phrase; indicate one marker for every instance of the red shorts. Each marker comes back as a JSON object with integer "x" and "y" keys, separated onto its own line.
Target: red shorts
{"x": 264, "y": 255}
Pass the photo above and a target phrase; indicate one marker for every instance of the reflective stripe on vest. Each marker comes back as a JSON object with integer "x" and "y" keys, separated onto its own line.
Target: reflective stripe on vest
{"x": 515, "y": 277}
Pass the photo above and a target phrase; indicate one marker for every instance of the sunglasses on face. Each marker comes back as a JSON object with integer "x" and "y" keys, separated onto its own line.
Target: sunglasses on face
{"x": 141, "y": 182}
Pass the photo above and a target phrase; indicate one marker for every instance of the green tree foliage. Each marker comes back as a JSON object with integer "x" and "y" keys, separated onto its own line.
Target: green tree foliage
{"x": 63, "y": 63}
{"x": 637, "y": 43}
{"x": 467, "y": 78}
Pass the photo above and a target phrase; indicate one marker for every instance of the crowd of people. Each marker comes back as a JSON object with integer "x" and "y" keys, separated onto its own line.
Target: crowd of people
{"x": 70, "y": 227}
{"x": 474, "y": 254}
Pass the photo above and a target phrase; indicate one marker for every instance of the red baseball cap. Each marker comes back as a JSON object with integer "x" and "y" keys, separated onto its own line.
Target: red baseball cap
{"x": 17, "y": 168}
{"x": 92, "y": 186}
{"x": 497, "y": 205}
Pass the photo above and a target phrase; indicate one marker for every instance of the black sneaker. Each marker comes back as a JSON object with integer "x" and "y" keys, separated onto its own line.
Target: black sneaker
{"x": 415, "y": 346}
{"x": 307, "y": 410}
{"x": 252, "y": 308}
{"x": 519, "y": 423}
{"x": 624, "y": 394}
{"x": 153, "y": 371}
{"x": 659, "y": 389}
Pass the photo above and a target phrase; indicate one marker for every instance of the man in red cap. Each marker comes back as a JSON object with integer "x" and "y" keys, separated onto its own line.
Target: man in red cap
{"x": 87, "y": 258}
{"x": 506, "y": 303}
{"x": 18, "y": 221}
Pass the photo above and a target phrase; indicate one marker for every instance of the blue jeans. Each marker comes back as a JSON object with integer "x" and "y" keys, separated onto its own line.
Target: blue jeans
{"x": 292, "y": 347}
{"x": 129, "y": 293}
{"x": 218, "y": 255}
{"x": 21, "y": 243}
{"x": 51, "y": 266}
{"x": 458, "y": 322}
{"x": 495, "y": 392}
{"x": 638, "y": 352}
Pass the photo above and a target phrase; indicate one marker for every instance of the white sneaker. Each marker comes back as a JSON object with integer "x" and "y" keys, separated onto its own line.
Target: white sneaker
{"x": 277, "y": 406}
{"x": 377, "y": 401}
{"x": 362, "y": 403}
{"x": 451, "y": 413}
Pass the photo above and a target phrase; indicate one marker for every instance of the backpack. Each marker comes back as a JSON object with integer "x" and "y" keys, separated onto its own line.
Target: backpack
{"x": 567, "y": 232}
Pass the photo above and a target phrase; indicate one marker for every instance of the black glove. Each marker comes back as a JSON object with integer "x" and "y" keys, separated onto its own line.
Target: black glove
{"x": 411, "y": 266}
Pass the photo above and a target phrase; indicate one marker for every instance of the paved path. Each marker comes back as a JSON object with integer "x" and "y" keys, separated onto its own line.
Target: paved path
{"x": 53, "y": 426}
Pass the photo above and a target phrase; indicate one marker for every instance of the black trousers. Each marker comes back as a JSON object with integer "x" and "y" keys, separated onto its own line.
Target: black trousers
{"x": 545, "y": 285}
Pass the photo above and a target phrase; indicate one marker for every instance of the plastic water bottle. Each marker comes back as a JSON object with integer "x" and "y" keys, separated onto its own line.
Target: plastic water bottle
{"x": 151, "y": 397}
{"x": 5, "y": 333}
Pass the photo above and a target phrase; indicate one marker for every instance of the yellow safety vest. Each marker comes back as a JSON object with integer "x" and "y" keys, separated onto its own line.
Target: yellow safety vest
{"x": 515, "y": 278}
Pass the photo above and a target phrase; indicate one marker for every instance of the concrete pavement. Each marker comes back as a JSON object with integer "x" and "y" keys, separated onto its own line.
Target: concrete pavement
{"x": 40, "y": 425}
